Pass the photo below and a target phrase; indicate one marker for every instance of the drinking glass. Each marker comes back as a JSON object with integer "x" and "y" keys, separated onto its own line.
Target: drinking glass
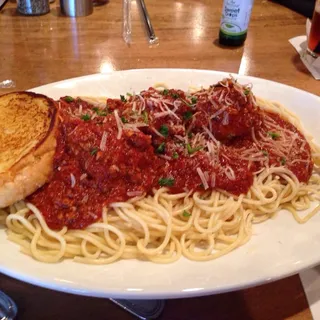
{"x": 314, "y": 35}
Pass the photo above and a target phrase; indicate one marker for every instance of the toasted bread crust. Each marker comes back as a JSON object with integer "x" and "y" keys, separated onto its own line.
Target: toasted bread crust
{"x": 34, "y": 168}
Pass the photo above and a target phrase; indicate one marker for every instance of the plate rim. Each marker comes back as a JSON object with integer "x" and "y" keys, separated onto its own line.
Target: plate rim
{"x": 174, "y": 70}
{"x": 149, "y": 293}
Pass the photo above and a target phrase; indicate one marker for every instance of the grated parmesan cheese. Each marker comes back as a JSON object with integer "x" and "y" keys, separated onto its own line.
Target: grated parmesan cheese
{"x": 203, "y": 178}
{"x": 73, "y": 180}
{"x": 119, "y": 124}
{"x": 103, "y": 141}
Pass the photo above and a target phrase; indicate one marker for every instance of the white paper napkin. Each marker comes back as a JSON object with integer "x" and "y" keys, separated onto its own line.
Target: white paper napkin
{"x": 300, "y": 44}
{"x": 311, "y": 283}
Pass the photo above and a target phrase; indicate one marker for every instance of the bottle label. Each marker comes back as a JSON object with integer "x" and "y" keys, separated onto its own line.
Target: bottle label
{"x": 235, "y": 16}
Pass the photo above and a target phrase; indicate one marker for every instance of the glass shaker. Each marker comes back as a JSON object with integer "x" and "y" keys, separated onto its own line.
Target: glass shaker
{"x": 33, "y": 7}
{"x": 8, "y": 309}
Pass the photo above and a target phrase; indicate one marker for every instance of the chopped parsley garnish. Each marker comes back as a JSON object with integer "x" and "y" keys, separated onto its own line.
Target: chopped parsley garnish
{"x": 164, "y": 130}
{"x": 99, "y": 112}
{"x": 129, "y": 94}
{"x": 187, "y": 115}
{"x": 85, "y": 117}
{"x": 190, "y": 134}
{"x": 186, "y": 214}
{"x": 246, "y": 91}
{"x": 274, "y": 135}
{"x": 191, "y": 105}
{"x": 194, "y": 100}
{"x": 192, "y": 150}
{"x": 123, "y": 99}
{"x": 165, "y": 92}
{"x": 283, "y": 161}
{"x": 94, "y": 151}
{"x": 161, "y": 148}
{"x": 145, "y": 116}
{"x": 124, "y": 120}
{"x": 166, "y": 182}
{"x": 68, "y": 99}
{"x": 175, "y": 155}
{"x": 175, "y": 95}
{"x": 265, "y": 153}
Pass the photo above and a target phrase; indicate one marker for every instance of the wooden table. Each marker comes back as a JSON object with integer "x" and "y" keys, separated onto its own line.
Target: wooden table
{"x": 40, "y": 50}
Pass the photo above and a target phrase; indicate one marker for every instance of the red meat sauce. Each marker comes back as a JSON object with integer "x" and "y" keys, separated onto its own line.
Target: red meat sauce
{"x": 163, "y": 143}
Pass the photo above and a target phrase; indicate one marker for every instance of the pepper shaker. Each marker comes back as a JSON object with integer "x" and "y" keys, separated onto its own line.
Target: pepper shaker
{"x": 33, "y": 7}
{"x": 76, "y": 8}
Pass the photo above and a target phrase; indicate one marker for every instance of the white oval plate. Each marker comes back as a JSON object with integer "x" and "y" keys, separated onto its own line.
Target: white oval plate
{"x": 278, "y": 248}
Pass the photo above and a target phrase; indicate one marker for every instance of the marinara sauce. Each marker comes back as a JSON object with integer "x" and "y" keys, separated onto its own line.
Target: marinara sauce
{"x": 212, "y": 139}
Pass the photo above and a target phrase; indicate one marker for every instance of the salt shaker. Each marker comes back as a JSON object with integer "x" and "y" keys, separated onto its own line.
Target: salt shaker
{"x": 33, "y": 7}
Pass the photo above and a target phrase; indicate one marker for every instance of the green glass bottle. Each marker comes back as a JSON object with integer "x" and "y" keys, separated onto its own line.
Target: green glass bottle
{"x": 234, "y": 22}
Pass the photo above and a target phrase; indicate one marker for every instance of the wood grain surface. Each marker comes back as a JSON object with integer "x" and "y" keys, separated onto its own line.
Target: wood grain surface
{"x": 283, "y": 299}
{"x": 39, "y": 50}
